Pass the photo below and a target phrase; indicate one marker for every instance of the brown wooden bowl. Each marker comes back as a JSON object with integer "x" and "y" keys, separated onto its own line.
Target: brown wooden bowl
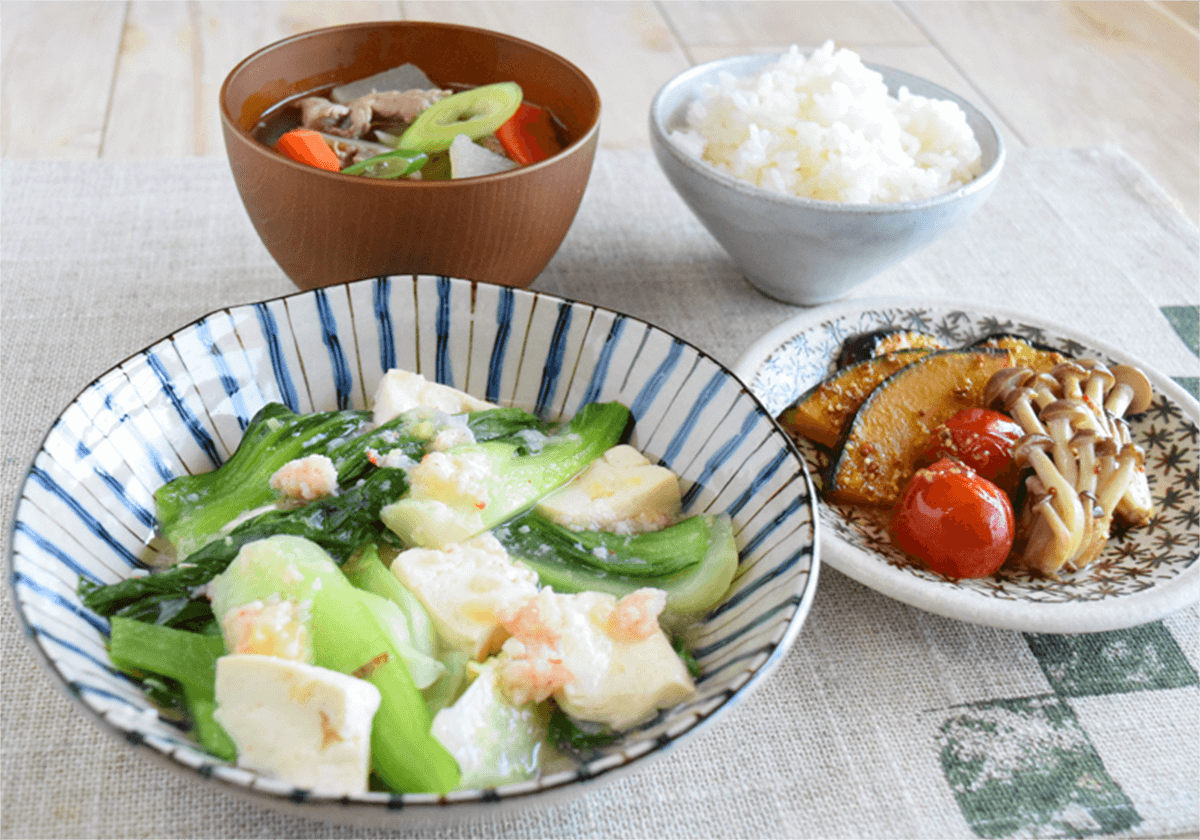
{"x": 323, "y": 227}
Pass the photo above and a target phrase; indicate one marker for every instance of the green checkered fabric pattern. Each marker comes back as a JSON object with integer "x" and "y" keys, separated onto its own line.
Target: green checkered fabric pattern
{"x": 1186, "y": 323}
{"x": 1027, "y": 766}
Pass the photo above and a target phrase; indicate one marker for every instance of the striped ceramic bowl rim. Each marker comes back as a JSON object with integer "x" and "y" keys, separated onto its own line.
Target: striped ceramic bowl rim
{"x": 180, "y": 406}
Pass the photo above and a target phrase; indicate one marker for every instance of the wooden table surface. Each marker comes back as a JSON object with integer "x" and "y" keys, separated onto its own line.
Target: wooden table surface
{"x": 139, "y": 79}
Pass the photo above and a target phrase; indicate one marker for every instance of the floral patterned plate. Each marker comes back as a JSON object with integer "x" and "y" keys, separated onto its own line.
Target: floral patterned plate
{"x": 1143, "y": 574}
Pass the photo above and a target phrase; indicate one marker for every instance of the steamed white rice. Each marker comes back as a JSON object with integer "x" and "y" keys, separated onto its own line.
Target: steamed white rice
{"x": 825, "y": 127}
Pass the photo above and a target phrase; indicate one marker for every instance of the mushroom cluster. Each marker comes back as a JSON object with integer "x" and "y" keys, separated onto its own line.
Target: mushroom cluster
{"x": 1085, "y": 467}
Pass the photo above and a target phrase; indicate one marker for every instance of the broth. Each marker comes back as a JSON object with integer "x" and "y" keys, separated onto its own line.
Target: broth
{"x": 285, "y": 116}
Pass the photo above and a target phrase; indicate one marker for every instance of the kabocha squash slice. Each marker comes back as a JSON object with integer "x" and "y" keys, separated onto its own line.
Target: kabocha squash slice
{"x": 821, "y": 413}
{"x": 879, "y": 450}
{"x": 1025, "y": 353}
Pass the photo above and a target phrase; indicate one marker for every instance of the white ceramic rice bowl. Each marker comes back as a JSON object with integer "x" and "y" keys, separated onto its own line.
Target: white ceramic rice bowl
{"x": 803, "y": 250}
{"x": 179, "y": 406}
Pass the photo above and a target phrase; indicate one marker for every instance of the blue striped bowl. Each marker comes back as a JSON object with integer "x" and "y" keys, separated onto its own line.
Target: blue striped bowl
{"x": 87, "y": 509}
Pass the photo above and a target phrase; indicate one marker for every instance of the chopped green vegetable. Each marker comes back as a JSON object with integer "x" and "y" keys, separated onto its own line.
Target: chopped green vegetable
{"x": 422, "y": 666}
{"x": 578, "y": 738}
{"x": 188, "y": 658}
{"x": 452, "y": 682}
{"x": 165, "y": 693}
{"x": 513, "y": 425}
{"x": 409, "y": 433}
{"x": 366, "y": 571}
{"x": 346, "y": 637}
{"x": 513, "y": 481}
{"x": 194, "y": 509}
{"x": 339, "y": 524}
{"x": 495, "y": 742}
{"x": 689, "y": 659}
{"x": 412, "y": 431}
{"x": 694, "y": 561}
{"x": 388, "y": 165}
{"x": 476, "y": 113}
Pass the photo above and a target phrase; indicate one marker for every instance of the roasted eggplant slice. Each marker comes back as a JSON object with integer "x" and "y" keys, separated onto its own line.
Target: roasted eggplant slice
{"x": 864, "y": 346}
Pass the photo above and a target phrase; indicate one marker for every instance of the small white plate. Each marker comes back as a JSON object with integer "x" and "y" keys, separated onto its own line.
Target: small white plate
{"x": 1143, "y": 574}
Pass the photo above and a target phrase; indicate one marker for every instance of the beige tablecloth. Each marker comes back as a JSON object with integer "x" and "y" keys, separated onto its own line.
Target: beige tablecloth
{"x": 883, "y": 720}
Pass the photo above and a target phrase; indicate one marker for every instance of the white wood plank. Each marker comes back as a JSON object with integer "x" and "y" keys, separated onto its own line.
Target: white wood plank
{"x": 57, "y": 68}
{"x": 1081, "y": 74}
{"x": 227, "y": 32}
{"x": 745, "y": 25}
{"x": 153, "y": 110}
{"x": 930, "y": 63}
{"x": 625, "y": 48}
{"x": 1187, "y": 11}
{"x": 1150, "y": 27}
{"x": 1055, "y": 73}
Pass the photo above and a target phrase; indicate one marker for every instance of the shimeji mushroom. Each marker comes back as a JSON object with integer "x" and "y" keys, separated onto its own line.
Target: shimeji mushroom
{"x": 1085, "y": 467}
{"x": 1053, "y": 520}
{"x": 1130, "y": 394}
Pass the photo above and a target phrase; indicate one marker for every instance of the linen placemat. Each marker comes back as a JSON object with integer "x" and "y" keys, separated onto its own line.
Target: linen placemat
{"x": 883, "y": 720}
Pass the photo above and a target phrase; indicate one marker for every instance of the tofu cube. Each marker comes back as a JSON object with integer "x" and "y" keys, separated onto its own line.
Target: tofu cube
{"x": 401, "y": 390}
{"x": 620, "y": 492}
{"x": 467, "y": 589}
{"x": 579, "y": 648}
{"x": 448, "y": 492}
{"x": 307, "y": 725}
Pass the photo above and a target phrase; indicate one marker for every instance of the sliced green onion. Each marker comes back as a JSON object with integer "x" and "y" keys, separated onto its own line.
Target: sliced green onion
{"x": 476, "y": 113}
{"x": 389, "y": 165}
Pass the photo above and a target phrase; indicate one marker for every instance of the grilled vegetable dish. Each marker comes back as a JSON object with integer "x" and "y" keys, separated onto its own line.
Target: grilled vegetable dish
{"x": 1000, "y": 452}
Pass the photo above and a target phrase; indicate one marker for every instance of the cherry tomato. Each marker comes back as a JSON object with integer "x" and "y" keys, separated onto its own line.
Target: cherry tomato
{"x": 983, "y": 440}
{"x": 954, "y": 521}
